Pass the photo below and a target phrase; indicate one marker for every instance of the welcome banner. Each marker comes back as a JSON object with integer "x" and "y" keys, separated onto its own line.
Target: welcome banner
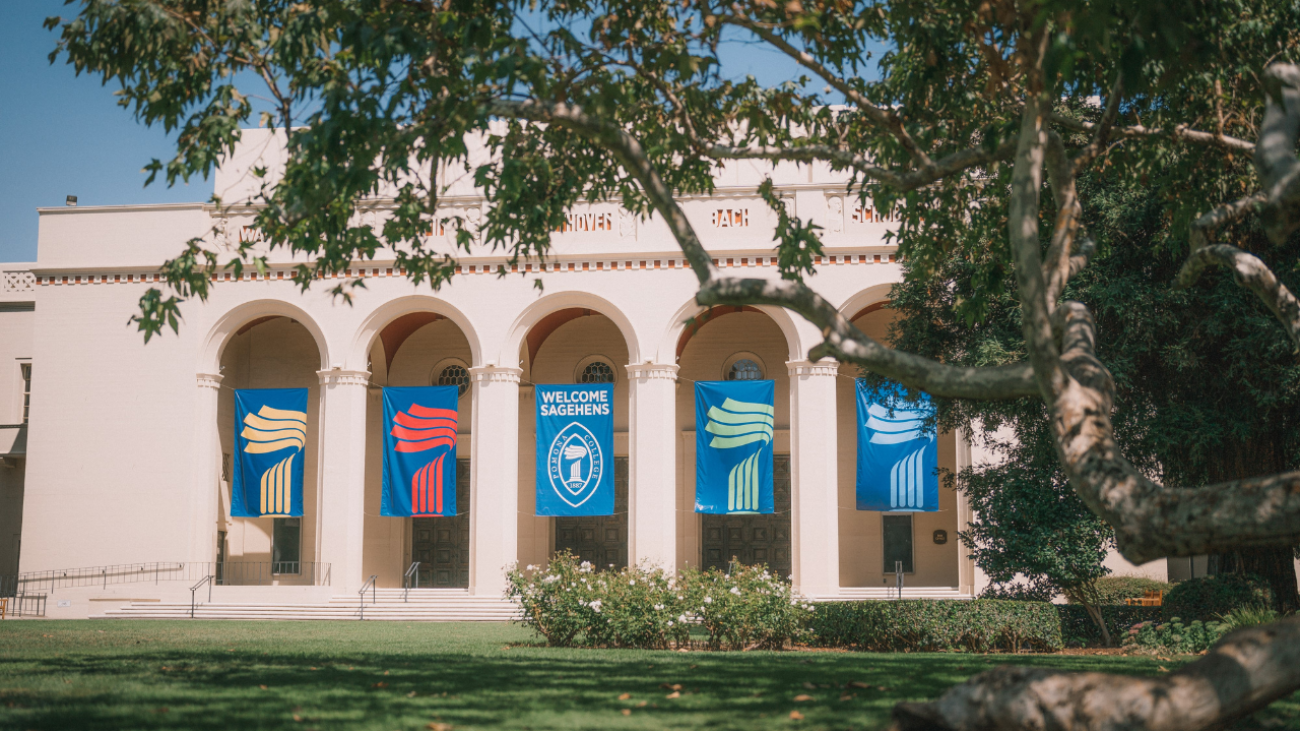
{"x": 270, "y": 435}
{"x": 575, "y": 449}
{"x": 898, "y": 454}
{"x": 420, "y": 451}
{"x": 734, "y": 423}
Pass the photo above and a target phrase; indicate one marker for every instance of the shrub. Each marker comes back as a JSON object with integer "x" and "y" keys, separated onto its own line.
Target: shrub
{"x": 745, "y": 608}
{"x": 1213, "y": 596}
{"x": 1174, "y": 636}
{"x": 1115, "y": 589}
{"x": 926, "y": 625}
{"x": 1041, "y": 592}
{"x": 1078, "y": 629}
{"x": 1243, "y": 617}
{"x": 571, "y": 604}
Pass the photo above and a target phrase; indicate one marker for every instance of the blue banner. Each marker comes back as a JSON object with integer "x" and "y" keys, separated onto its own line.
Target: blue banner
{"x": 420, "y": 451}
{"x": 270, "y": 434}
{"x": 734, "y": 423}
{"x": 898, "y": 451}
{"x": 575, "y": 449}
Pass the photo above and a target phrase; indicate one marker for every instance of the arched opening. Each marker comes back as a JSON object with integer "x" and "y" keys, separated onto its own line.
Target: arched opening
{"x": 269, "y": 351}
{"x": 734, "y": 343}
{"x": 870, "y": 542}
{"x": 418, "y": 348}
{"x": 570, "y": 346}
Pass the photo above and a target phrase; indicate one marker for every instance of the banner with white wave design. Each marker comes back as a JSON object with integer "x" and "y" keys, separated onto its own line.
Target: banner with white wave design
{"x": 420, "y": 429}
{"x": 734, "y": 428}
{"x": 898, "y": 451}
{"x": 575, "y": 449}
{"x": 270, "y": 435}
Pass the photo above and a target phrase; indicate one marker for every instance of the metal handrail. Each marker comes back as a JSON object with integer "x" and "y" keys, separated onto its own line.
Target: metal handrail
{"x": 413, "y": 569}
{"x": 370, "y": 584}
{"x": 205, "y": 580}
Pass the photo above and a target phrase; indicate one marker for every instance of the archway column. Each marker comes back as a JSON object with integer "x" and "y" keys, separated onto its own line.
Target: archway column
{"x": 206, "y": 493}
{"x": 494, "y": 479}
{"x": 340, "y": 538}
{"x": 814, "y": 499}
{"x": 652, "y": 503}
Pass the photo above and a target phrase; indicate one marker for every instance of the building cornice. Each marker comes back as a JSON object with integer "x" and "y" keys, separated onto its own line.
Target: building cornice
{"x": 652, "y": 371}
{"x": 823, "y": 367}
{"x": 210, "y": 380}
{"x": 496, "y": 374}
{"x": 339, "y": 377}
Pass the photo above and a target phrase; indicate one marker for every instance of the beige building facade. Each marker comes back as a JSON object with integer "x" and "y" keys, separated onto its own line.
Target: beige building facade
{"x": 124, "y": 455}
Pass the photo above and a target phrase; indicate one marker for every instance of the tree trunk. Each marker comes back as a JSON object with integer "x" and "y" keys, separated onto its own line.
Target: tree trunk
{"x": 1277, "y": 567}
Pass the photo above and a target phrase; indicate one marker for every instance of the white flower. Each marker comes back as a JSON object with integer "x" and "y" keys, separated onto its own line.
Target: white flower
{"x": 531, "y": 568}
{"x": 794, "y": 602}
{"x": 595, "y": 605}
{"x": 735, "y": 590}
{"x": 708, "y": 600}
{"x": 679, "y": 597}
{"x": 550, "y": 579}
{"x": 682, "y": 618}
{"x": 659, "y": 607}
{"x": 585, "y": 567}
{"x": 670, "y": 623}
{"x": 633, "y": 583}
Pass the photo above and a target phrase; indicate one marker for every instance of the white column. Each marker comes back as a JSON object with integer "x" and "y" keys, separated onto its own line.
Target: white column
{"x": 814, "y": 499}
{"x": 652, "y": 465}
{"x": 342, "y": 503}
{"x": 206, "y": 496}
{"x": 494, "y": 479}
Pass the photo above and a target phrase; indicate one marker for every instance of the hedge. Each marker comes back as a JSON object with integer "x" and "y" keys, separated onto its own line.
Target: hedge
{"x": 929, "y": 625}
{"x": 1078, "y": 629}
{"x": 1115, "y": 589}
{"x": 1209, "y": 598}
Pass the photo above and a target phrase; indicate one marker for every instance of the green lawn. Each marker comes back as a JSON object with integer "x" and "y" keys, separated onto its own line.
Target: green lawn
{"x": 390, "y": 676}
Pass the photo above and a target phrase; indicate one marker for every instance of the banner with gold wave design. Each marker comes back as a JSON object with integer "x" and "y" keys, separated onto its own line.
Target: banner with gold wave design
{"x": 270, "y": 436}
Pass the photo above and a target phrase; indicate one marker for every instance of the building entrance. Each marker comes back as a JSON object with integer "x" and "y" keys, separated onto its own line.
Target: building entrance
{"x": 441, "y": 545}
{"x": 601, "y": 540}
{"x": 753, "y": 539}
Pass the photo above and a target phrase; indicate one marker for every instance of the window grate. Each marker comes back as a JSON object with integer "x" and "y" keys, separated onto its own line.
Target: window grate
{"x": 454, "y": 375}
{"x": 27, "y": 390}
{"x": 745, "y": 370}
{"x": 597, "y": 371}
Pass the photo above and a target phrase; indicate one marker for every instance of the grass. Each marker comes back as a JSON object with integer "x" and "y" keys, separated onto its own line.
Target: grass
{"x": 386, "y": 676}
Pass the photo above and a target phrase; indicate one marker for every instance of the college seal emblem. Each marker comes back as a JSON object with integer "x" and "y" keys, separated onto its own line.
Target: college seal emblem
{"x": 574, "y": 464}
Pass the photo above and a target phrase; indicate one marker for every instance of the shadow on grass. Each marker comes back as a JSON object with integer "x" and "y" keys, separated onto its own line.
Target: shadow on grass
{"x": 390, "y": 676}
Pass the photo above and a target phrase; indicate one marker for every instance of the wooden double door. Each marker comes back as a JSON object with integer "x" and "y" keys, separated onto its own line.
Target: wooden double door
{"x": 441, "y": 545}
{"x": 600, "y": 540}
{"x": 753, "y": 539}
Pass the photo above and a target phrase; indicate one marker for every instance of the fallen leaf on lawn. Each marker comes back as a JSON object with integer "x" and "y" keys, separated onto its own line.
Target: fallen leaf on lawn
{"x": 674, "y": 694}
{"x": 627, "y": 711}
{"x": 882, "y": 689}
{"x": 263, "y": 687}
{"x": 802, "y": 697}
{"x": 671, "y": 686}
{"x": 694, "y": 666}
{"x": 642, "y": 705}
{"x": 848, "y": 696}
{"x": 380, "y": 685}
{"x": 297, "y": 718}
{"x": 796, "y": 716}
{"x": 411, "y": 694}
{"x": 161, "y": 710}
{"x": 625, "y": 696}
{"x": 435, "y": 726}
{"x": 1163, "y": 669}
{"x": 809, "y": 686}
{"x": 858, "y": 684}
{"x": 311, "y": 668}
{"x": 385, "y": 672}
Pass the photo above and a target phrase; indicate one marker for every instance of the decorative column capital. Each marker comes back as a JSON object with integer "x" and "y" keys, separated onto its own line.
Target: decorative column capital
{"x": 209, "y": 380}
{"x": 340, "y": 377}
{"x": 495, "y": 374}
{"x": 652, "y": 371}
{"x": 823, "y": 367}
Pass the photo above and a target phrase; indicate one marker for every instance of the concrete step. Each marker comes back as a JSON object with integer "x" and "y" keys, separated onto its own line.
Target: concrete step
{"x": 455, "y": 608}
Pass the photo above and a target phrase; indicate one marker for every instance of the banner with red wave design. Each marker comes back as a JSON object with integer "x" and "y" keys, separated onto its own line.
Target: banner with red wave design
{"x": 420, "y": 451}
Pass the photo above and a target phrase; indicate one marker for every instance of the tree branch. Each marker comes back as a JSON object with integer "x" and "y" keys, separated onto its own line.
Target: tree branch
{"x": 1137, "y": 131}
{"x": 1250, "y": 272}
{"x": 1057, "y": 268}
{"x": 1275, "y": 157}
{"x": 1246, "y": 671}
{"x": 886, "y": 118}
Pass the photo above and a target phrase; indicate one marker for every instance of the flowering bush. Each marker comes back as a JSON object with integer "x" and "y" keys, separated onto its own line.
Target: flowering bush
{"x": 1174, "y": 636}
{"x": 746, "y": 608}
{"x": 573, "y": 605}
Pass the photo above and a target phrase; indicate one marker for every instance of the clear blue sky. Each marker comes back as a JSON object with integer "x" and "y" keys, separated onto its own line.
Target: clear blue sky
{"x": 62, "y": 135}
